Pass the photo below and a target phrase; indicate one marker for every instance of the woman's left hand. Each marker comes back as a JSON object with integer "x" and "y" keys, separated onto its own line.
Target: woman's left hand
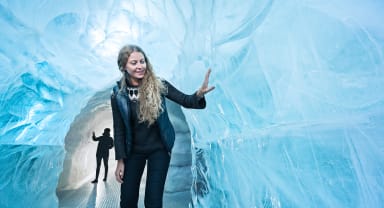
{"x": 204, "y": 89}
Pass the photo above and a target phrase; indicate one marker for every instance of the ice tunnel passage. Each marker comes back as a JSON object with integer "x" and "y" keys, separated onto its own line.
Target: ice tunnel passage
{"x": 79, "y": 163}
{"x": 296, "y": 119}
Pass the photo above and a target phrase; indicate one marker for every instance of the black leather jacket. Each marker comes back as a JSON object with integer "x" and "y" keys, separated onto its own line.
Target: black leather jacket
{"x": 121, "y": 118}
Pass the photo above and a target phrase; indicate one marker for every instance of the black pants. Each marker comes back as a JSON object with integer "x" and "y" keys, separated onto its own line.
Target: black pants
{"x": 98, "y": 163}
{"x": 157, "y": 168}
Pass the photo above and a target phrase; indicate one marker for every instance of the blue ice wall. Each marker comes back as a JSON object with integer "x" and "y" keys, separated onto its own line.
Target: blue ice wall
{"x": 296, "y": 119}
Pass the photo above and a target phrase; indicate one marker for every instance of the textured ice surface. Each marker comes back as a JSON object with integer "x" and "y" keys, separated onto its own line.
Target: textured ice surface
{"x": 296, "y": 119}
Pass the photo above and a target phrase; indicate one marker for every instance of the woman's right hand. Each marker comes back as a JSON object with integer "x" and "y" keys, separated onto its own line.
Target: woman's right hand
{"x": 119, "y": 173}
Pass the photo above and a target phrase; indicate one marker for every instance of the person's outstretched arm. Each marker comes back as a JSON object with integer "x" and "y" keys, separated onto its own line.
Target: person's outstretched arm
{"x": 196, "y": 100}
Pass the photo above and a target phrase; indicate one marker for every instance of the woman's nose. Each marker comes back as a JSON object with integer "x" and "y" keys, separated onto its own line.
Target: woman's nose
{"x": 140, "y": 66}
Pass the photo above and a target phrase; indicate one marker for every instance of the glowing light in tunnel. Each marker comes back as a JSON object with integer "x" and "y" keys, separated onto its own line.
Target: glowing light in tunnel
{"x": 119, "y": 30}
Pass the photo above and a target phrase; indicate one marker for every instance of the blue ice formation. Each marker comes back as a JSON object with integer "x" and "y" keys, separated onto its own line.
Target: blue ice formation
{"x": 296, "y": 119}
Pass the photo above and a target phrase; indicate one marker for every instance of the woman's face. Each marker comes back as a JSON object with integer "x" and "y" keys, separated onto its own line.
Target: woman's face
{"x": 136, "y": 67}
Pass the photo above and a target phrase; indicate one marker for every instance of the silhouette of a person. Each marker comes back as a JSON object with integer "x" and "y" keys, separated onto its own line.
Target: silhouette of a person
{"x": 105, "y": 143}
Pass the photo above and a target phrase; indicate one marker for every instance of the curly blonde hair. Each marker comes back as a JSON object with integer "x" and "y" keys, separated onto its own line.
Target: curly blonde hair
{"x": 150, "y": 89}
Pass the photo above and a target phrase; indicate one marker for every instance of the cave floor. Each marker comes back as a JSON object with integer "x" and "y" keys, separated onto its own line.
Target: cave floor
{"x": 107, "y": 194}
{"x": 99, "y": 195}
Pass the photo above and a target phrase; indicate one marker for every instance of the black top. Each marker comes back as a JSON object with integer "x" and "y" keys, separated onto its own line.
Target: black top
{"x": 145, "y": 138}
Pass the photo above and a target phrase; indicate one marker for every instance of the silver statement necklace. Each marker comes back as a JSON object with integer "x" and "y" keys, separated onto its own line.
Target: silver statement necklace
{"x": 133, "y": 93}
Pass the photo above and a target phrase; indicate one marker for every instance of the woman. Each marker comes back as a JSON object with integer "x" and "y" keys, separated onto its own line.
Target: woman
{"x": 142, "y": 130}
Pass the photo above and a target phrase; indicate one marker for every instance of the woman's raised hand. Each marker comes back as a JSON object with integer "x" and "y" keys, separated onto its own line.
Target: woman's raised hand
{"x": 204, "y": 89}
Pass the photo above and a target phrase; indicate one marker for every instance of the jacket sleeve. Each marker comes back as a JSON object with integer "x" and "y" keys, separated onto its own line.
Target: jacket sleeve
{"x": 187, "y": 101}
{"x": 110, "y": 145}
{"x": 94, "y": 138}
{"x": 118, "y": 129}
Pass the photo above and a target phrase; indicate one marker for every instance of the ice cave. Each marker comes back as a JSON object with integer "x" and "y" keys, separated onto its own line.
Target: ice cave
{"x": 296, "y": 119}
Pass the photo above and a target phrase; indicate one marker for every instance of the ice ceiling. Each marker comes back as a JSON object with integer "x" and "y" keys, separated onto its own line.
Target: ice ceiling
{"x": 296, "y": 120}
